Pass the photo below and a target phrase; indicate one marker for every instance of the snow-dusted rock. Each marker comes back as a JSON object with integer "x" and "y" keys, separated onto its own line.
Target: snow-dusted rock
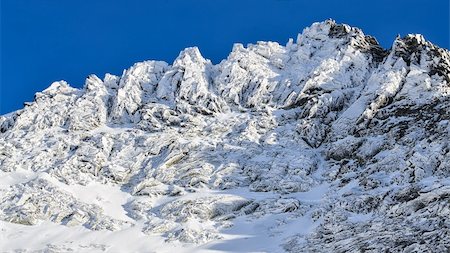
{"x": 330, "y": 143}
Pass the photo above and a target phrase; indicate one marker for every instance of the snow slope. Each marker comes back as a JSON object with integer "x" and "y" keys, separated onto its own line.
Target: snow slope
{"x": 327, "y": 144}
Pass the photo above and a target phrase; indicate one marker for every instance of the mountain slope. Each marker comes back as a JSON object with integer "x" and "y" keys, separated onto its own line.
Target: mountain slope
{"x": 329, "y": 143}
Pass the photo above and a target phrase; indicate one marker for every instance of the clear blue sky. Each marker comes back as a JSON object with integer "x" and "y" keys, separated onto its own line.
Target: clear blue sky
{"x": 47, "y": 40}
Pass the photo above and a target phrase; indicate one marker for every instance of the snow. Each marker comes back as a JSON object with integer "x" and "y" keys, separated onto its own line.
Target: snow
{"x": 16, "y": 177}
{"x": 360, "y": 217}
{"x": 111, "y": 199}
{"x": 61, "y": 238}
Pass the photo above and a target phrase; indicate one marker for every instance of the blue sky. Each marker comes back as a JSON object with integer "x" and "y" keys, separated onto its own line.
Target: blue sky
{"x": 47, "y": 40}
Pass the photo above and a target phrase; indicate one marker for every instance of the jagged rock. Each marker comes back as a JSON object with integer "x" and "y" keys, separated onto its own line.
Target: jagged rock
{"x": 343, "y": 139}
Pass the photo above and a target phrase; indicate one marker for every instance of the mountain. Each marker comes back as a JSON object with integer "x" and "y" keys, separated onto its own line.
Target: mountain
{"x": 328, "y": 144}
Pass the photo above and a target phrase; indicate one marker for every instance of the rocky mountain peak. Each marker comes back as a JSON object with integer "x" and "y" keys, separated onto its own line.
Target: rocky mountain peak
{"x": 189, "y": 56}
{"x": 331, "y": 143}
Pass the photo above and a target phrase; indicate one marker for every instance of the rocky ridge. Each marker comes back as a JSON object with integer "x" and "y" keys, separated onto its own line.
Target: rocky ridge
{"x": 332, "y": 110}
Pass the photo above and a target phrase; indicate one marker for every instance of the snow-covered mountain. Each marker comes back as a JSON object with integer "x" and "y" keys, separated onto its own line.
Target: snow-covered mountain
{"x": 328, "y": 144}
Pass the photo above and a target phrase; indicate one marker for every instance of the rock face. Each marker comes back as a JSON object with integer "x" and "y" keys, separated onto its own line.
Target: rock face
{"x": 197, "y": 146}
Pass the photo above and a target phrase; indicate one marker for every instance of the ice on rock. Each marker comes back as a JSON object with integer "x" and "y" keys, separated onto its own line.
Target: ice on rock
{"x": 55, "y": 88}
{"x": 90, "y": 110}
{"x": 39, "y": 200}
{"x": 136, "y": 88}
{"x": 330, "y": 143}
